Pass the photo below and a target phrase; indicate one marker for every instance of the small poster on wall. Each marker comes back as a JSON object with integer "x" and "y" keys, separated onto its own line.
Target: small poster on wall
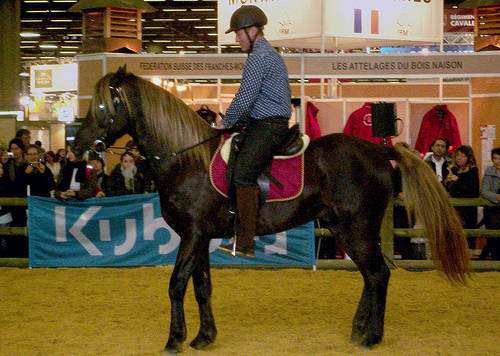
{"x": 488, "y": 135}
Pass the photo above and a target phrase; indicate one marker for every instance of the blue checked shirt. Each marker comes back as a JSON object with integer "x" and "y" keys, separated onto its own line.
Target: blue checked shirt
{"x": 264, "y": 90}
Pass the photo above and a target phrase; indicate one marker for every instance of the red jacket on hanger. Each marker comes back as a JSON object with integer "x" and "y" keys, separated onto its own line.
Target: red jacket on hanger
{"x": 312, "y": 126}
{"x": 438, "y": 122}
{"x": 359, "y": 124}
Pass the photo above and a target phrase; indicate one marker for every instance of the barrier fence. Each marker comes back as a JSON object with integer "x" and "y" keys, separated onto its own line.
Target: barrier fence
{"x": 387, "y": 233}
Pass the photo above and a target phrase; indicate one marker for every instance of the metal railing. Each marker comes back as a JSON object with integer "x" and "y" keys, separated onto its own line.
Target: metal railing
{"x": 387, "y": 233}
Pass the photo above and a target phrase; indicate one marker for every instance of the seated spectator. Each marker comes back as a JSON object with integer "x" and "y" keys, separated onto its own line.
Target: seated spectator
{"x": 97, "y": 164}
{"x": 438, "y": 160}
{"x": 124, "y": 178}
{"x": 52, "y": 164}
{"x": 76, "y": 180}
{"x": 37, "y": 177}
{"x": 491, "y": 191}
{"x": 463, "y": 182}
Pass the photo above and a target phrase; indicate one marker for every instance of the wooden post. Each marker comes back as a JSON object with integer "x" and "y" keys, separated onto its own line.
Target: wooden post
{"x": 107, "y": 23}
{"x": 139, "y": 24}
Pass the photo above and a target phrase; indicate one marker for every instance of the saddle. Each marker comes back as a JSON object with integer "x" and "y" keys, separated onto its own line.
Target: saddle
{"x": 284, "y": 178}
{"x": 294, "y": 145}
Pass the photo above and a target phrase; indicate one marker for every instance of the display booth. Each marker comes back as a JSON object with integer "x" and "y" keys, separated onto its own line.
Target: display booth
{"x": 468, "y": 84}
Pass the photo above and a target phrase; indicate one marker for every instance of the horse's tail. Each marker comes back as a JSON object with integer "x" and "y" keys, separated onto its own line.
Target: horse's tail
{"x": 425, "y": 196}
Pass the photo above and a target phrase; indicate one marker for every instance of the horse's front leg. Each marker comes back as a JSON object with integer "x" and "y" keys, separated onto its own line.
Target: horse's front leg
{"x": 203, "y": 292}
{"x": 184, "y": 266}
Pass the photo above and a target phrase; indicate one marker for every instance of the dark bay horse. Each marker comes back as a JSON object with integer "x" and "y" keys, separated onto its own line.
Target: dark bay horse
{"x": 347, "y": 183}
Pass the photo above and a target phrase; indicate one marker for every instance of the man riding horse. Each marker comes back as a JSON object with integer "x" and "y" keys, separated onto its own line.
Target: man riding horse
{"x": 263, "y": 105}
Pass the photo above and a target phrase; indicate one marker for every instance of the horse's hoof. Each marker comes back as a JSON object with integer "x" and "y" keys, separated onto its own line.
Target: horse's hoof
{"x": 201, "y": 342}
{"x": 358, "y": 338}
{"x": 172, "y": 348}
{"x": 370, "y": 341}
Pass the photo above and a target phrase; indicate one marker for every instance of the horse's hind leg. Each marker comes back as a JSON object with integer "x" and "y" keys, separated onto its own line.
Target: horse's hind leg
{"x": 203, "y": 292}
{"x": 184, "y": 266}
{"x": 363, "y": 246}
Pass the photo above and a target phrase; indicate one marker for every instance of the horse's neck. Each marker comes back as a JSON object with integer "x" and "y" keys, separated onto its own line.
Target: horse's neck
{"x": 165, "y": 168}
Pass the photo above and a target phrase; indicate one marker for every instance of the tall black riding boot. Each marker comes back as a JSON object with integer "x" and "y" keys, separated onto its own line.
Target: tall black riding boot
{"x": 247, "y": 202}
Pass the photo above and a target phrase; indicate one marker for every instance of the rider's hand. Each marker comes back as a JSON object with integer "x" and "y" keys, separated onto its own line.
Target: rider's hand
{"x": 219, "y": 122}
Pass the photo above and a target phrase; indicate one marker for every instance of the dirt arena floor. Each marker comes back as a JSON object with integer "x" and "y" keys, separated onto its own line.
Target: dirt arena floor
{"x": 258, "y": 312}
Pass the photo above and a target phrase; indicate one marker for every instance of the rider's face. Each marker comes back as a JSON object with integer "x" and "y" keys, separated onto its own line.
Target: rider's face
{"x": 243, "y": 39}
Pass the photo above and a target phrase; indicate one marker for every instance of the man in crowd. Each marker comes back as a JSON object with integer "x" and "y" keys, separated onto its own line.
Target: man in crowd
{"x": 439, "y": 158}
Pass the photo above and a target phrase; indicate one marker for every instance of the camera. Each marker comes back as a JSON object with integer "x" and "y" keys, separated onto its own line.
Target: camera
{"x": 35, "y": 164}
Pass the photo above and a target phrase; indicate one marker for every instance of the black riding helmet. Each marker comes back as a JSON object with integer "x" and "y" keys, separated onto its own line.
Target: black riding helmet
{"x": 247, "y": 16}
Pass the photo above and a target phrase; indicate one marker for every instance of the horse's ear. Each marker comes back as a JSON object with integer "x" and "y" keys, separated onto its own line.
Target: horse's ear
{"x": 122, "y": 70}
{"x": 119, "y": 76}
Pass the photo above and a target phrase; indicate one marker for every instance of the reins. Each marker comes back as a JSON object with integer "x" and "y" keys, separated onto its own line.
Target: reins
{"x": 174, "y": 155}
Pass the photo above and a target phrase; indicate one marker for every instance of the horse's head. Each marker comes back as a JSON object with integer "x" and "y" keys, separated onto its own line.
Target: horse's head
{"x": 110, "y": 112}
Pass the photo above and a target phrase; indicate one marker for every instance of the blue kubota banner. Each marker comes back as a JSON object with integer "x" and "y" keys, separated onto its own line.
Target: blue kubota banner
{"x": 129, "y": 231}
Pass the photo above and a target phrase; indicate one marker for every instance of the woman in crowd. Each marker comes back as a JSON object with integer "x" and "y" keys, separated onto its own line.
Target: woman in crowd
{"x": 463, "y": 182}
{"x": 53, "y": 164}
{"x": 76, "y": 181}
{"x": 61, "y": 156}
{"x": 125, "y": 179}
{"x": 491, "y": 191}
{"x": 97, "y": 164}
{"x": 14, "y": 169}
{"x": 14, "y": 185}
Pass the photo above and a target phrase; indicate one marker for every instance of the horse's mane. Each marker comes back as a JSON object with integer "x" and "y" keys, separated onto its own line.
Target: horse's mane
{"x": 166, "y": 117}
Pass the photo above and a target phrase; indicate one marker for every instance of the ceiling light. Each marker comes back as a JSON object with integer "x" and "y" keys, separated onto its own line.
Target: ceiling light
{"x": 48, "y": 46}
{"x": 156, "y": 81}
{"x": 29, "y": 34}
{"x": 24, "y": 74}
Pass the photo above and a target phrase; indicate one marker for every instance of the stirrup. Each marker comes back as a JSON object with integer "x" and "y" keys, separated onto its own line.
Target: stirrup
{"x": 230, "y": 249}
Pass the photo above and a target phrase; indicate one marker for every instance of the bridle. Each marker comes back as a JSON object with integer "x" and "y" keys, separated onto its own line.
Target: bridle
{"x": 116, "y": 98}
